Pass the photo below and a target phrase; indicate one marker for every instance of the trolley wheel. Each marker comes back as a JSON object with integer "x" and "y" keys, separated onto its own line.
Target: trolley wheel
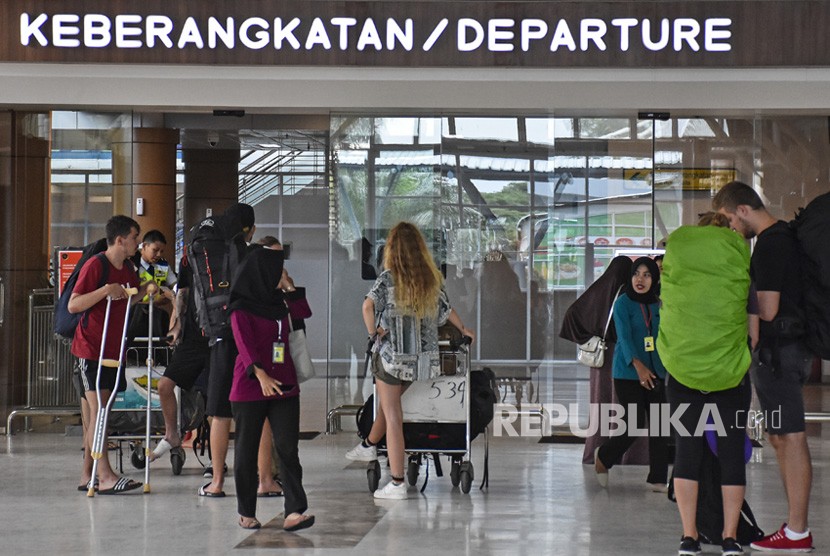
{"x": 177, "y": 459}
{"x": 466, "y": 476}
{"x": 373, "y": 475}
{"x": 455, "y": 472}
{"x": 137, "y": 458}
{"x": 412, "y": 470}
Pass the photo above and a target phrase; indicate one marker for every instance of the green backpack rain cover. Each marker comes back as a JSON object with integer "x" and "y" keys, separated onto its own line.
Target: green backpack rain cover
{"x": 703, "y": 321}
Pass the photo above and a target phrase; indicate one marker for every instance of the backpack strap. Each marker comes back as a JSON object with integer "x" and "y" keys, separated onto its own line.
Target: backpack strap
{"x": 226, "y": 263}
{"x": 105, "y": 274}
{"x": 611, "y": 313}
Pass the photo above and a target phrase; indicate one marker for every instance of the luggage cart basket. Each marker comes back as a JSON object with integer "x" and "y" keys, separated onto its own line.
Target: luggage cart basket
{"x": 128, "y": 421}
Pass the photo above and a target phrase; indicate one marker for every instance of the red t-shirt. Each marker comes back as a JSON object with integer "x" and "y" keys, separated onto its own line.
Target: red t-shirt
{"x": 87, "y": 341}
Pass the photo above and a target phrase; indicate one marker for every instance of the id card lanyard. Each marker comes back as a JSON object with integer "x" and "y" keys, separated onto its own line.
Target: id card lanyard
{"x": 278, "y": 348}
{"x": 648, "y": 341}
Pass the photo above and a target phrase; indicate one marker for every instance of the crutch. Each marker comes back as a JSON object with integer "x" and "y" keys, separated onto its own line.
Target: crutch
{"x": 150, "y": 362}
{"x": 98, "y": 448}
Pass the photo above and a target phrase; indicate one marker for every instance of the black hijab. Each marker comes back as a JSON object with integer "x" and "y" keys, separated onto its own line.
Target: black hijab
{"x": 651, "y": 295}
{"x": 587, "y": 316}
{"x": 254, "y": 288}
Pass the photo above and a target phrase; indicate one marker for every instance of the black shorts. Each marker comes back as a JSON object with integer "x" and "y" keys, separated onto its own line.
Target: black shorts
{"x": 85, "y": 375}
{"x": 732, "y": 406}
{"x": 222, "y": 358}
{"x": 780, "y": 391}
{"x": 190, "y": 358}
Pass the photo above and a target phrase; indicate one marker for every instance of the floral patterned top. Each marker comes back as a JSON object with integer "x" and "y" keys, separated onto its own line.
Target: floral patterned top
{"x": 409, "y": 349}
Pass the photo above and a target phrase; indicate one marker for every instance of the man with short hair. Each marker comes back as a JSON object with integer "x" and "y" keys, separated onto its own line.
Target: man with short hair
{"x": 122, "y": 241}
{"x": 783, "y": 358}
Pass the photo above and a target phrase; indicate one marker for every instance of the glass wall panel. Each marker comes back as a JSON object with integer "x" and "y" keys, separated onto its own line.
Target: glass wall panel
{"x": 525, "y": 213}
{"x": 81, "y": 174}
{"x": 474, "y": 187}
{"x": 282, "y": 174}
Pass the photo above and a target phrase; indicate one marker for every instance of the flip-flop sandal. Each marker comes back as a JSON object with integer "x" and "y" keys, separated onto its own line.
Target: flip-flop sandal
{"x": 255, "y": 524}
{"x": 272, "y": 494}
{"x": 122, "y": 485}
{"x": 162, "y": 448}
{"x": 305, "y": 523}
{"x": 208, "y": 494}
{"x": 85, "y": 488}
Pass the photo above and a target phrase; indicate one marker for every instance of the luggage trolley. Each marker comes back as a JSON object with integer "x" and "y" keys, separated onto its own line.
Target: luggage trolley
{"x": 128, "y": 420}
{"x": 436, "y": 415}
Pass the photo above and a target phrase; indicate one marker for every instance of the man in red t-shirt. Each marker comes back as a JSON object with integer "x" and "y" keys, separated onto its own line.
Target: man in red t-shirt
{"x": 122, "y": 242}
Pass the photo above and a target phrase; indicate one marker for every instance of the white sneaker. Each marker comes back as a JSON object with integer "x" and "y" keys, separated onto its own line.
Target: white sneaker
{"x": 362, "y": 453}
{"x": 392, "y": 491}
{"x": 658, "y": 487}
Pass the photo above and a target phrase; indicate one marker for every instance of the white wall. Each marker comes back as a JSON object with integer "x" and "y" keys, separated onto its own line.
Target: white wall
{"x": 303, "y": 89}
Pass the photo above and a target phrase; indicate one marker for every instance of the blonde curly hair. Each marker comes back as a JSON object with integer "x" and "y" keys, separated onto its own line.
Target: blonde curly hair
{"x": 417, "y": 279}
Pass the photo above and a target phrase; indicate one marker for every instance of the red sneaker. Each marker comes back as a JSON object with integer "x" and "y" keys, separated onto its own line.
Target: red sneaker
{"x": 779, "y": 542}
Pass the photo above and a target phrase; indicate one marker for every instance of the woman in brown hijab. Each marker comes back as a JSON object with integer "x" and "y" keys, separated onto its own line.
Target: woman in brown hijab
{"x": 585, "y": 318}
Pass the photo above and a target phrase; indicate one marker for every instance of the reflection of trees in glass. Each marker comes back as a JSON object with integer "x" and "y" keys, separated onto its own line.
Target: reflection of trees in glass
{"x": 349, "y": 132}
{"x": 515, "y": 198}
{"x": 352, "y": 191}
{"x": 403, "y": 192}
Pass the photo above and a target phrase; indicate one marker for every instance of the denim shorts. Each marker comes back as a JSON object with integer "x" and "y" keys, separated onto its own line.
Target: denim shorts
{"x": 380, "y": 373}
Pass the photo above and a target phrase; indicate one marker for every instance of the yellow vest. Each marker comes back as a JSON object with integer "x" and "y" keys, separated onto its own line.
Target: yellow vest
{"x": 160, "y": 272}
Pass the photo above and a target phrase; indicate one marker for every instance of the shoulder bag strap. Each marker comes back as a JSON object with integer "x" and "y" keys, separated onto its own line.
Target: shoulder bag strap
{"x": 611, "y": 313}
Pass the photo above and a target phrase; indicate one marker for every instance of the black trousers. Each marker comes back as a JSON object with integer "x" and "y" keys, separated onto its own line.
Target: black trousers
{"x": 284, "y": 416}
{"x": 630, "y": 392}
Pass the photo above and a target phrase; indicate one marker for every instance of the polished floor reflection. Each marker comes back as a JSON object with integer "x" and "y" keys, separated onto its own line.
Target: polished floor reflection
{"x": 540, "y": 500}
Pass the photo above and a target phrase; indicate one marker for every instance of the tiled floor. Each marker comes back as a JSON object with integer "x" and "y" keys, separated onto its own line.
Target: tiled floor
{"x": 541, "y": 500}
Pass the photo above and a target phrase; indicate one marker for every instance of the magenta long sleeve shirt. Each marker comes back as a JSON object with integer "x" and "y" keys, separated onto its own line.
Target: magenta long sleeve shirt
{"x": 255, "y": 337}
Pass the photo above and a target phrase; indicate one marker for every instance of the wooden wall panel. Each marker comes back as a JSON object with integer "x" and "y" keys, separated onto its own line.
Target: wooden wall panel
{"x": 765, "y": 33}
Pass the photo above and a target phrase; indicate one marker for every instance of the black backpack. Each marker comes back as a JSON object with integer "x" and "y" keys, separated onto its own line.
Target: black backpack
{"x": 812, "y": 228}
{"x": 214, "y": 253}
{"x": 709, "y": 515}
{"x": 66, "y": 322}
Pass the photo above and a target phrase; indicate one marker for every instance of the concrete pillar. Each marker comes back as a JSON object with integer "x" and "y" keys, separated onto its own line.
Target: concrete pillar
{"x": 24, "y": 231}
{"x": 211, "y": 180}
{"x": 144, "y": 167}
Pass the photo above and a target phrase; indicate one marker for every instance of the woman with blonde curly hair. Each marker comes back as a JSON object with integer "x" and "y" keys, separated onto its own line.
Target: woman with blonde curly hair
{"x": 402, "y": 313}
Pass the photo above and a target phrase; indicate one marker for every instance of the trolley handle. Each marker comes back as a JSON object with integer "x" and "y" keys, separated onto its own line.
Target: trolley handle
{"x": 454, "y": 345}
{"x": 145, "y": 339}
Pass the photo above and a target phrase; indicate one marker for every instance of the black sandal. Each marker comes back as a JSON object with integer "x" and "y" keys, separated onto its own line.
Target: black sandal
{"x": 255, "y": 524}
{"x": 305, "y": 522}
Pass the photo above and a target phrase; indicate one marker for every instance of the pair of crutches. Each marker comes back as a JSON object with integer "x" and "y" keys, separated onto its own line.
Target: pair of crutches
{"x": 98, "y": 449}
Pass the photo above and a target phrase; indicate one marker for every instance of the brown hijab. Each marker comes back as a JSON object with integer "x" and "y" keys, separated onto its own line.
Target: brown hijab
{"x": 587, "y": 316}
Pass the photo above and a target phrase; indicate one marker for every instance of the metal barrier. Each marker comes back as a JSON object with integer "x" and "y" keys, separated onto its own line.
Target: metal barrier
{"x": 333, "y": 417}
{"x": 757, "y": 425}
{"x": 49, "y": 364}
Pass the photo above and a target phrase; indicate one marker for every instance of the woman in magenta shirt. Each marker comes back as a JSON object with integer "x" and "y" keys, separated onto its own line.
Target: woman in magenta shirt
{"x": 263, "y": 298}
